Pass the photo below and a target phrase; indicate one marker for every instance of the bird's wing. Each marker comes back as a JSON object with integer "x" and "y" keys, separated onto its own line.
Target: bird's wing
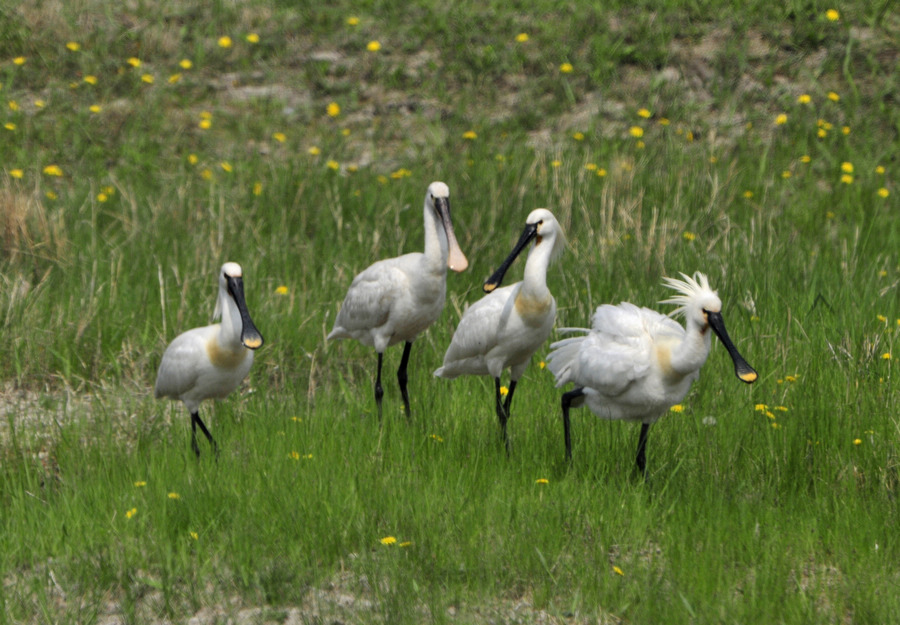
{"x": 476, "y": 333}
{"x": 370, "y": 297}
{"x": 181, "y": 363}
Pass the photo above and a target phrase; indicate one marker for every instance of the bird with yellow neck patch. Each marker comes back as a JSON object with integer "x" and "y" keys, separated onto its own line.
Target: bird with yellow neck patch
{"x": 635, "y": 363}
{"x": 211, "y": 361}
{"x": 507, "y": 326}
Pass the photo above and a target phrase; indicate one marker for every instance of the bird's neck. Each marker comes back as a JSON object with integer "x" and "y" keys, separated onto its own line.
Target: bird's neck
{"x": 231, "y": 325}
{"x": 437, "y": 246}
{"x": 694, "y": 348}
{"x": 534, "y": 282}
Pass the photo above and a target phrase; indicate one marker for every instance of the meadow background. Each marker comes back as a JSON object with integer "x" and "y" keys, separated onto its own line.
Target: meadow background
{"x": 144, "y": 143}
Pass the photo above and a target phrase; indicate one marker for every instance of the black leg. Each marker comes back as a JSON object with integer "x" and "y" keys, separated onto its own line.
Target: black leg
{"x": 567, "y": 400}
{"x": 379, "y": 391}
{"x": 642, "y": 446}
{"x": 508, "y": 402}
{"x": 402, "y": 378}
{"x": 197, "y": 421}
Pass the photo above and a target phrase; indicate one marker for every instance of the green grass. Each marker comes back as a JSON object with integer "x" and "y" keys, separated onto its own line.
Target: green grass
{"x": 786, "y": 513}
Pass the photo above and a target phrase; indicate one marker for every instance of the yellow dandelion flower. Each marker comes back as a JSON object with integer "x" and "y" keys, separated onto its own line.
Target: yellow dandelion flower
{"x": 791, "y": 378}
{"x": 786, "y": 174}
{"x": 53, "y": 170}
{"x": 345, "y": 132}
{"x": 578, "y": 136}
{"x": 174, "y": 78}
{"x": 644, "y": 113}
{"x": 591, "y": 167}
{"x": 437, "y": 438}
{"x": 847, "y": 179}
{"x": 185, "y": 64}
{"x": 806, "y": 158}
{"x": 90, "y": 79}
{"x": 689, "y": 236}
{"x": 205, "y": 115}
{"x": 134, "y": 61}
{"x": 295, "y": 455}
{"x": 845, "y": 130}
{"x": 388, "y": 540}
{"x": 832, "y": 15}
{"x": 373, "y": 46}
{"x": 781, "y": 119}
{"x": 542, "y": 480}
{"x": 618, "y": 571}
{"x": 314, "y": 151}
{"x": 40, "y": 103}
{"x": 640, "y": 145}
{"x": 9, "y": 126}
{"x": 504, "y": 391}
{"x": 566, "y": 68}
{"x": 226, "y": 166}
{"x": 382, "y": 179}
{"x": 542, "y": 365}
{"x": 102, "y": 197}
{"x": 333, "y": 165}
{"x": 13, "y": 105}
{"x": 174, "y": 496}
{"x": 140, "y": 484}
{"x": 882, "y": 274}
{"x": 821, "y": 133}
{"x": 405, "y": 543}
{"x": 16, "y": 173}
{"x": 333, "y": 109}
{"x": 781, "y": 408}
{"x": 677, "y": 408}
{"x": 352, "y": 21}
{"x": 73, "y": 46}
{"x": 760, "y": 407}
{"x": 857, "y": 441}
{"x": 280, "y": 137}
{"x": 194, "y": 535}
{"x": 19, "y": 60}
{"x": 833, "y": 96}
{"x": 252, "y": 38}
{"x": 804, "y": 98}
{"x": 522, "y": 37}
{"x": 147, "y": 78}
{"x": 205, "y": 124}
{"x": 879, "y": 170}
{"x": 846, "y": 167}
{"x": 257, "y": 188}
{"x": 664, "y": 121}
{"x": 470, "y": 135}
{"x": 95, "y": 108}
{"x": 206, "y": 174}
{"x": 555, "y": 163}
{"x": 883, "y": 192}
{"x": 193, "y": 159}
{"x": 776, "y": 425}
{"x": 748, "y": 194}
{"x": 886, "y": 356}
{"x": 636, "y": 131}
{"x": 130, "y": 513}
{"x": 881, "y": 318}
{"x": 224, "y": 41}
{"x": 601, "y": 172}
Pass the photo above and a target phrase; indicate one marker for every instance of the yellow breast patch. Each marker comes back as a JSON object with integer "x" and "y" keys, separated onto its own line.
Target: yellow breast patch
{"x": 224, "y": 357}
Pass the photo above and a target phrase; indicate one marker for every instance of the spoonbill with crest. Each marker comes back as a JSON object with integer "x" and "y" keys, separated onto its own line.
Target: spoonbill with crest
{"x": 210, "y": 362}
{"x": 505, "y": 327}
{"x": 635, "y": 363}
{"x": 396, "y": 299}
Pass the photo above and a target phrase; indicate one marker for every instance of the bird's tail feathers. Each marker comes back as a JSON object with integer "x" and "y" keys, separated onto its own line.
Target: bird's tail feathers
{"x": 563, "y": 360}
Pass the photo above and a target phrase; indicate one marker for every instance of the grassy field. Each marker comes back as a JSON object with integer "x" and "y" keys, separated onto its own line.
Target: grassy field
{"x": 145, "y": 143}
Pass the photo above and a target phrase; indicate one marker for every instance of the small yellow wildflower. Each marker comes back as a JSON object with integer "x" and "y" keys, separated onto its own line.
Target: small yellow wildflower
{"x": 881, "y": 318}
{"x": 644, "y": 113}
{"x": 193, "y": 159}
{"x": 345, "y": 132}
{"x": 405, "y": 543}
{"x": 578, "y": 136}
{"x": 314, "y": 150}
{"x": 134, "y": 61}
{"x": 333, "y": 109}
{"x": 19, "y": 60}
{"x": 677, "y": 408}
{"x": 140, "y": 484}
{"x": 886, "y": 356}
{"x": 781, "y": 408}
{"x": 833, "y": 96}
{"x": 16, "y": 173}
{"x": 295, "y": 455}
{"x": 382, "y": 179}
{"x": 591, "y": 167}
{"x": 205, "y": 124}
{"x": 857, "y": 441}
{"x": 252, "y": 38}
{"x": 73, "y": 46}
{"x": 53, "y": 170}
{"x": 879, "y": 170}
{"x": 401, "y": 173}
{"x": 50, "y": 195}
{"x": 846, "y": 167}
{"x": 776, "y": 425}
{"x": 636, "y": 131}
{"x": 194, "y": 535}
{"x": 504, "y": 391}
{"x": 760, "y": 407}
{"x": 883, "y": 192}
{"x": 601, "y": 172}
{"x": 847, "y": 179}
{"x": 40, "y": 103}
{"x": 174, "y": 496}
{"x": 185, "y": 64}
{"x": 555, "y": 163}
{"x": 352, "y": 21}
{"x": 333, "y": 165}
{"x": 781, "y": 119}
{"x": 821, "y": 133}
{"x": 225, "y": 41}
{"x": 786, "y": 174}
{"x": 542, "y": 365}
{"x": 174, "y": 78}
{"x": 226, "y": 166}
{"x": 470, "y": 135}
{"x": 640, "y": 145}
{"x": 804, "y": 98}
{"x": 748, "y": 194}
{"x": 845, "y": 130}
{"x": 130, "y": 513}
{"x": 388, "y": 540}
{"x": 147, "y": 78}
{"x": 437, "y": 438}
{"x": 664, "y": 121}
{"x": 806, "y": 158}
{"x": 791, "y": 378}
{"x": 542, "y": 480}
{"x": 257, "y": 188}
{"x": 689, "y": 236}
{"x": 9, "y": 126}
{"x": 618, "y": 571}
{"x": 832, "y": 15}
{"x": 102, "y": 197}
{"x": 373, "y": 46}
{"x": 566, "y": 68}
{"x": 522, "y": 37}
{"x": 294, "y": 419}
{"x": 13, "y": 105}
{"x": 280, "y": 137}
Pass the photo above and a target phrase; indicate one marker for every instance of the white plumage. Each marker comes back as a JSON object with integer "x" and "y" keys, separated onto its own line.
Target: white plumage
{"x": 507, "y": 326}
{"x": 635, "y": 363}
{"x": 211, "y": 361}
{"x": 395, "y": 300}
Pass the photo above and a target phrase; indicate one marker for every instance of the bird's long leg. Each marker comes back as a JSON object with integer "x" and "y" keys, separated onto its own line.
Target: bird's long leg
{"x": 197, "y": 421}
{"x": 641, "y": 459}
{"x": 379, "y": 391}
{"x": 402, "y": 377}
{"x": 567, "y": 400}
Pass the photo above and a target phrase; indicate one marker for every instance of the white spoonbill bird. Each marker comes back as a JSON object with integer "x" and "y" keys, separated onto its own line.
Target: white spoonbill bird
{"x": 396, "y": 299}
{"x": 505, "y": 327}
{"x": 210, "y": 362}
{"x": 635, "y": 363}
